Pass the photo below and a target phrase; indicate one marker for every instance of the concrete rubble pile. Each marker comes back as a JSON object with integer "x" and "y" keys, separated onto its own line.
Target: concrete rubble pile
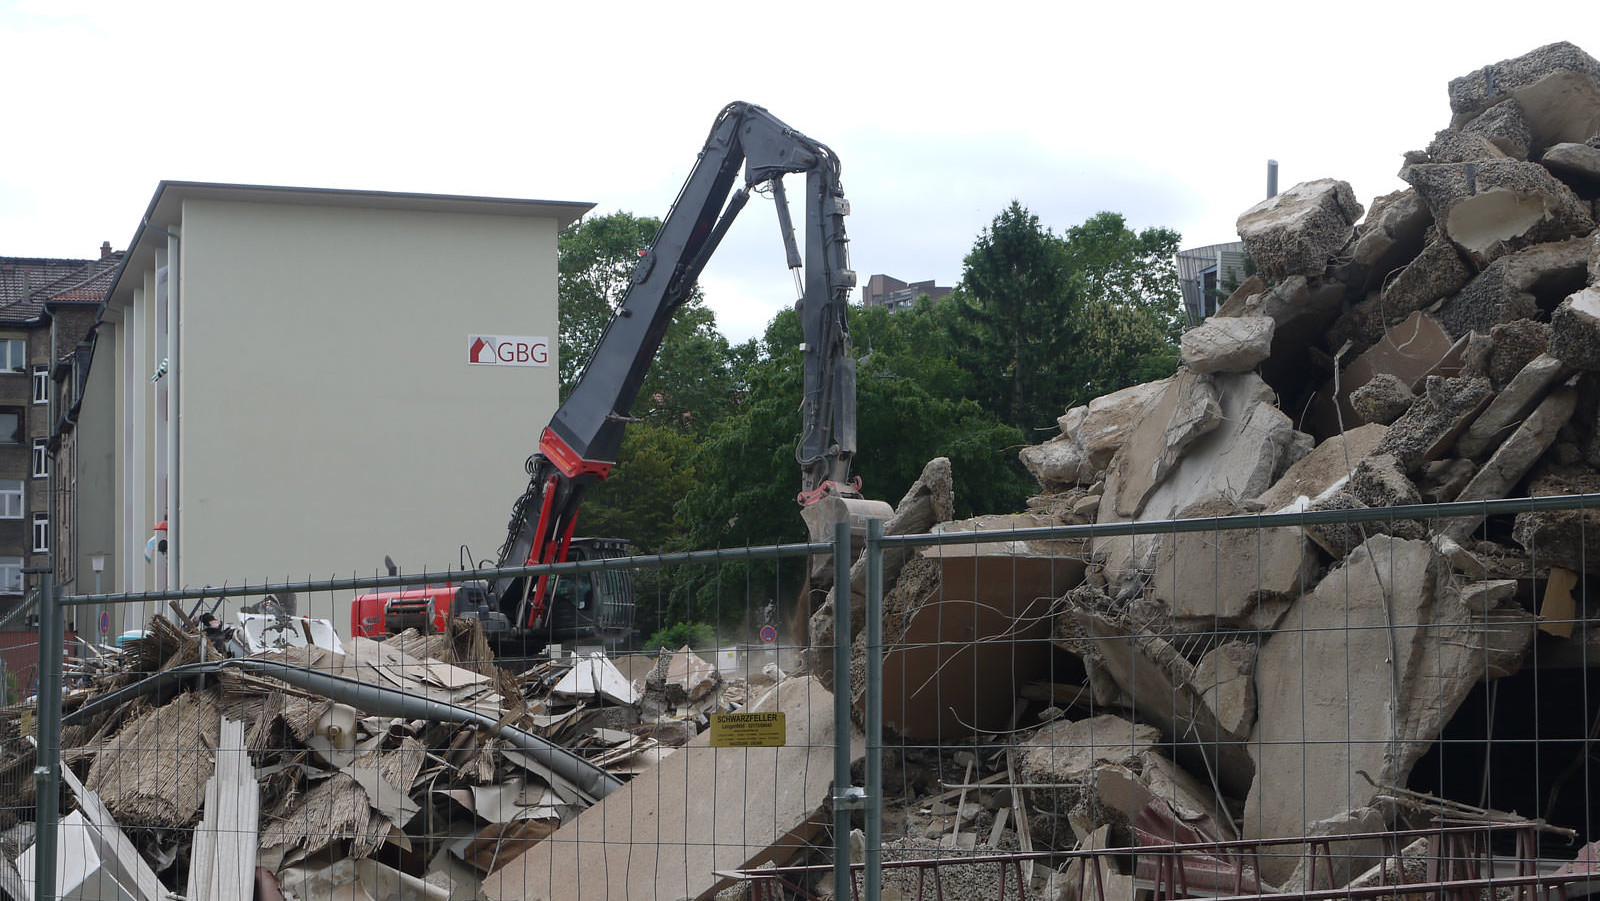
{"x": 1443, "y": 345}
{"x": 411, "y": 767}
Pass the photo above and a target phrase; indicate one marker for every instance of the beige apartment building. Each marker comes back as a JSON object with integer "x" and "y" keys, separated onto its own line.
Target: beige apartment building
{"x": 295, "y": 382}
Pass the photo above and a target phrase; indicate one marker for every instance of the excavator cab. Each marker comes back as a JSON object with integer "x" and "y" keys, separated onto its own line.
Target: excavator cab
{"x": 592, "y": 607}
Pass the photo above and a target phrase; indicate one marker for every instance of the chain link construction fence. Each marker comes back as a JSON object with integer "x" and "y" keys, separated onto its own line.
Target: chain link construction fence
{"x": 1310, "y": 705}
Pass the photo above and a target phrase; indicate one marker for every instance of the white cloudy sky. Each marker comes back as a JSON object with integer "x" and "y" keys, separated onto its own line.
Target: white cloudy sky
{"x": 941, "y": 113}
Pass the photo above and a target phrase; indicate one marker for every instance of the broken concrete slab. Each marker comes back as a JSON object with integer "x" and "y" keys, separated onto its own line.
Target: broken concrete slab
{"x": 929, "y": 500}
{"x": 1503, "y": 125}
{"x": 1378, "y": 480}
{"x": 1490, "y": 209}
{"x": 958, "y": 612}
{"x": 1374, "y": 635}
{"x": 1575, "y": 330}
{"x": 1323, "y": 470}
{"x": 1229, "y": 578}
{"x": 1090, "y": 436}
{"x": 1340, "y": 537}
{"x": 1442, "y": 480}
{"x": 1516, "y": 344}
{"x": 1523, "y": 285}
{"x": 1158, "y": 683}
{"x": 1576, "y": 164}
{"x": 1339, "y": 861}
{"x": 1557, "y": 86}
{"x": 1511, "y": 406}
{"x": 1105, "y": 771}
{"x": 1185, "y": 409}
{"x": 1226, "y": 679}
{"x": 1483, "y": 595}
{"x": 1303, "y": 310}
{"x": 1383, "y": 399}
{"x": 1436, "y": 420}
{"x": 1390, "y": 236}
{"x": 1569, "y": 539}
{"x": 1227, "y": 344}
{"x": 1438, "y": 271}
{"x": 1407, "y": 351}
{"x": 1160, "y": 793}
{"x": 1298, "y": 231}
{"x": 704, "y": 808}
{"x": 1235, "y": 461}
{"x": 1513, "y": 459}
{"x": 1453, "y": 146}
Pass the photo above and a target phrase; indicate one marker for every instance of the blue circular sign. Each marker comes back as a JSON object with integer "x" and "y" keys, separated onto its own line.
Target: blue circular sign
{"x": 105, "y": 622}
{"x": 769, "y": 634}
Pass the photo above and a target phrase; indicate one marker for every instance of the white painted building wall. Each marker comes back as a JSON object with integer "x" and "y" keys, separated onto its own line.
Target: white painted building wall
{"x": 317, "y": 410}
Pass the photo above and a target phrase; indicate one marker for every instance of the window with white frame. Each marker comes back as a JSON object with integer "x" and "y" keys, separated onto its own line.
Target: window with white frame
{"x": 10, "y": 498}
{"x": 41, "y": 457}
{"x": 10, "y": 575}
{"x": 41, "y": 384}
{"x": 41, "y": 533}
{"x": 13, "y": 355}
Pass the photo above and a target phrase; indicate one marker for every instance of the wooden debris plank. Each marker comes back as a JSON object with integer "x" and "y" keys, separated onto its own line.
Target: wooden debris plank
{"x": 1024, "y": 840}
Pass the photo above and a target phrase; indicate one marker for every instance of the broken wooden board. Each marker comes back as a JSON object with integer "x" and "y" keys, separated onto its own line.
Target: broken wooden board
{"x": 222, "y": 863}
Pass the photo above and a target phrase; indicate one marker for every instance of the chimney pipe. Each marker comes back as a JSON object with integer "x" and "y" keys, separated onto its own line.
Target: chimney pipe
{"x": 1272, "y": 178}
{"x": 105, "y": 250}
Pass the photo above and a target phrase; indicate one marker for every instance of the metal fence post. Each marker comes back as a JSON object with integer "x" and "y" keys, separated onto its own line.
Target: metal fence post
{"x": 874, "y": 711}
{"x": 843, "y": 797}
{"x": 47, "y": 769}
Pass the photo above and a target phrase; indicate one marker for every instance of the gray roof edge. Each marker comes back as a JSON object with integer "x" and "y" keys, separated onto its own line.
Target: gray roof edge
{"x": 565, "y": 212}
{"x": 350, "y": 197}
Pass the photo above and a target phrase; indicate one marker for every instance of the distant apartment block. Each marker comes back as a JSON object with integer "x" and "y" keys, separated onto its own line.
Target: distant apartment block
{"x": 47, "y": 312}
{"x": 888, "y": 291}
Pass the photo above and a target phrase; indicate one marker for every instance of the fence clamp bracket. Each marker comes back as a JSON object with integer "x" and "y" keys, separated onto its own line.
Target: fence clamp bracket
{"x": 854, "y": 797}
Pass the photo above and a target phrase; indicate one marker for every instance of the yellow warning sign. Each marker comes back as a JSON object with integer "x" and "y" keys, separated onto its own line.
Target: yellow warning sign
{"x": 748, "y": 730}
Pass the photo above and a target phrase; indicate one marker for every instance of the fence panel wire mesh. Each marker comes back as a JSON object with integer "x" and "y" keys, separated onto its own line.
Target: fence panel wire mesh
{"x": 1315, "y": 705}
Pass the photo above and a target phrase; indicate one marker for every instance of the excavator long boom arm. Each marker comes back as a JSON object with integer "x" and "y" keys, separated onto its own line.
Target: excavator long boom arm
{"x": 580, "y": 445}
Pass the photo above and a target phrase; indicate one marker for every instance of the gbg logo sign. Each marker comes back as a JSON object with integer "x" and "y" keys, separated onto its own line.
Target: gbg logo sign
{"x": 507, "y": 350}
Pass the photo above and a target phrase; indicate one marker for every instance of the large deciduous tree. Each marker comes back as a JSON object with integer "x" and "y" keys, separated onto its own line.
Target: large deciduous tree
{"x": 689, "y": 384}
{"x": 912, "y": 405}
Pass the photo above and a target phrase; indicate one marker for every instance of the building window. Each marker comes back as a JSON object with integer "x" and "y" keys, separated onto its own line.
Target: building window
{"x": 41, "y": 458}
{"x": 10, "y": 575}
{"x": 41, "y": 384}
{"x": 10, "y": 498}
{"x": 41, "y": 533}
{"x": 10, "y": 427}
{"x": 13, "y": 355}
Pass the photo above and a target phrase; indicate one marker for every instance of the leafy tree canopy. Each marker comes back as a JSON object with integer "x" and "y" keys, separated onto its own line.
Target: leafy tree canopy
{"x": 1047, "y": 322}
{"x": 910, "y": 408}
{"x": 691, "y": 383}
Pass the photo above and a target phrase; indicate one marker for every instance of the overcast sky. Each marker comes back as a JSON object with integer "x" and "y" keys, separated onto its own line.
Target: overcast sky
{"x": 940, "y": 113}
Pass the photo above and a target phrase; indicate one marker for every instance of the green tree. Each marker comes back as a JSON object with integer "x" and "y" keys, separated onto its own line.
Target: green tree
{"x": 1049, "y": 322}
{"x": 690, "y": 382}
{"x": 595, "y": 266}
{"x": 1133, "y": 311}
{"x": 639, "y": 499}
{"x": 911, "y": 407}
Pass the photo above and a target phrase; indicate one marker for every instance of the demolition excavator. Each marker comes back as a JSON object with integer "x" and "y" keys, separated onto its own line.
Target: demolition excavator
{"x": 580, "y": 445}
